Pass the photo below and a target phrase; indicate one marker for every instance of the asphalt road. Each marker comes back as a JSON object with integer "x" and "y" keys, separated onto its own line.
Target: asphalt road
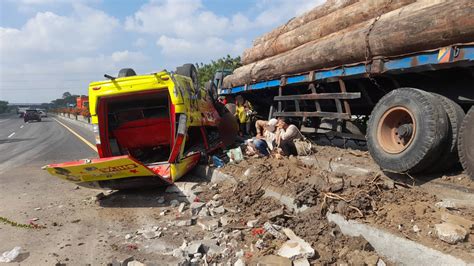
{"x": 24, "y": 149}
{"x": 23, "y": 144}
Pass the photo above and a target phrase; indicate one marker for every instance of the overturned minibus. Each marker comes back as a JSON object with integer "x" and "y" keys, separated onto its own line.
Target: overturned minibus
{"x": 150, "y": 130}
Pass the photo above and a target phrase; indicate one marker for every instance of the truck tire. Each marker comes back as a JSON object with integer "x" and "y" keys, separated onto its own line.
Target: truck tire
{"x": 466, "y": 143}
{"x": 406, "y": 131}
{"x": 126, "y": 72}
{"x": 211, "y": 88}
{"x": 449, "y": 155}
{"x": 189, "y": 70}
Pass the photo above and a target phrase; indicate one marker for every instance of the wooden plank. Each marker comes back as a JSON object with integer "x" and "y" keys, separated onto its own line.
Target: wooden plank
{"x": 319, "y": 96}
{"x": 312, "y": 114}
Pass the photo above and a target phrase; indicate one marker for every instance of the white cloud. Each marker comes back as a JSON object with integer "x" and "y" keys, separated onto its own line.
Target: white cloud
{"x": 49, "y": 33}
{"x": 61, "y": 51}
{"x": 126, "y": 56}
{"x": 199, "y": 50}
{"x": 187, "y": 28}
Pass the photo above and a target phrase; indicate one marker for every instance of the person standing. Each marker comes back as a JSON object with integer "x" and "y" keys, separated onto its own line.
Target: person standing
{"x": 243, "y": 108}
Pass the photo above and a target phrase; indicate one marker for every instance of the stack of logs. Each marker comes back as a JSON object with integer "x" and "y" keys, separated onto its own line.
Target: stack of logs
{"x": 342, "y": 32}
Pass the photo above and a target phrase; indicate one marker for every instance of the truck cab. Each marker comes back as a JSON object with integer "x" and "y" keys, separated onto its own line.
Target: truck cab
{"x": 149, "y": 130}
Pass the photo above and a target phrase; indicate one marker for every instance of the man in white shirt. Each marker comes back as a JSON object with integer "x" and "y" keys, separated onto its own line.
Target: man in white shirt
{"x": 265, "y": 138}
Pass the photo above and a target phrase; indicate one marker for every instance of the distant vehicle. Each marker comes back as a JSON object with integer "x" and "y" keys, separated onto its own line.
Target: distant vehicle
{"x": 150, "y": 130}
{"x": 43, "y": 113}
{"x": 32, "y": 115}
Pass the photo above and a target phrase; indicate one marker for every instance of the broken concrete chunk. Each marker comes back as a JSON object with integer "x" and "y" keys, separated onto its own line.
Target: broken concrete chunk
{"x": 219, "y": 210}
{"x": 380, "y": 262}
{"x": 193, "y": 248}
{"x": 135, "y": 263}
{"x": 296, "y": 247}
{"x": 237, "y": 235}
{"x": 275, "y": 214}
{"x": 209, "y": 224}
{"x": 239, "y": 262}
{"x": 181, "y": 223}
{"x": 273, "y": 231}
{"x": 214, "y": 203}
{"x": 128, "y": 236}
{"x": 196, "y": 207}
{"x": 450, "y": 233}
{"x": 447, "y": 204}
{"x": 216, "y": 197}
{"x": 204, "y": 212}
{"x": 252, "y": 223}
{"x": 225, "y": 220}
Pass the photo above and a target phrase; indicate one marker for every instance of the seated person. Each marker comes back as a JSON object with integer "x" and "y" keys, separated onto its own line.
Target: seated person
{"x": 285, "y": 134}
{"x": 263, "y": 142}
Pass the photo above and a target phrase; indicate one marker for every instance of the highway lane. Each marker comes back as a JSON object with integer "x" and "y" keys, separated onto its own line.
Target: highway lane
{"x": 46, "y": 142}
{"x": 24, "y": 188}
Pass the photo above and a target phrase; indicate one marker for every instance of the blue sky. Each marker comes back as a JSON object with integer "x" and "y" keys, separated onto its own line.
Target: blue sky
{"x": 48, "y": 47}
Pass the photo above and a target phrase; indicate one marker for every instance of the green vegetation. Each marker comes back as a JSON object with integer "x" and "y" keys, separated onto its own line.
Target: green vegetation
{"x": 31, "y": 225}
{"x": 3, "y": 106}
{"x": 65, "y": 101}
{"x": 206, "y": 71}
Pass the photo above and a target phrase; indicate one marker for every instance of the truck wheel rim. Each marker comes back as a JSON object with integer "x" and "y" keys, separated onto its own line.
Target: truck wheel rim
{"x": 396, "y": 130}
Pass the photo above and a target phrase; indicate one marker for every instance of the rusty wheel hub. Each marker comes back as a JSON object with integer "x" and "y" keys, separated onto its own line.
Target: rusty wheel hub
{"x": 396, "y": 130}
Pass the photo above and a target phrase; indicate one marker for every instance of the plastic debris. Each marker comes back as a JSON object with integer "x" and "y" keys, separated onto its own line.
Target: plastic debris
{"x": 9, "y": 256}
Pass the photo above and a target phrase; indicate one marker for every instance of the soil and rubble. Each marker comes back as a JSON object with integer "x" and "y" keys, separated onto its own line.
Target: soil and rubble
{"x": 243, "y": 221}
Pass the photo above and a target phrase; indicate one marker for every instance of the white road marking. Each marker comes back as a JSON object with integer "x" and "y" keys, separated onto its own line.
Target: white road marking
{"x": 11, "y": 135}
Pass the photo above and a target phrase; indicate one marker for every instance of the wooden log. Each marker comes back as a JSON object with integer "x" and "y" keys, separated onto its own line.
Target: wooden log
{"x": 420, "y": 26}
{"x": 318, "y": 28}
{"x": 322, "y": 10}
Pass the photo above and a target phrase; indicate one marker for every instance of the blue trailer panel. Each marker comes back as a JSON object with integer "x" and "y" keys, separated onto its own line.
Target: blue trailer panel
{"x": 446, "y": 57}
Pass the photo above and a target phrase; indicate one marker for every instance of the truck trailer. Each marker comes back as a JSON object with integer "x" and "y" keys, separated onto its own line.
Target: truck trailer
{"x": 413, "y": 106}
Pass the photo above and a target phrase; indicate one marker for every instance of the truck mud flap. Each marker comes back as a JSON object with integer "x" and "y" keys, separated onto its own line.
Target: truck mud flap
{"x": 107, "y": 172}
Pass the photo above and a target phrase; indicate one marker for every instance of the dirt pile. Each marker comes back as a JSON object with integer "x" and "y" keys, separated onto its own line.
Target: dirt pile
{"x": 373, "y": 198}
